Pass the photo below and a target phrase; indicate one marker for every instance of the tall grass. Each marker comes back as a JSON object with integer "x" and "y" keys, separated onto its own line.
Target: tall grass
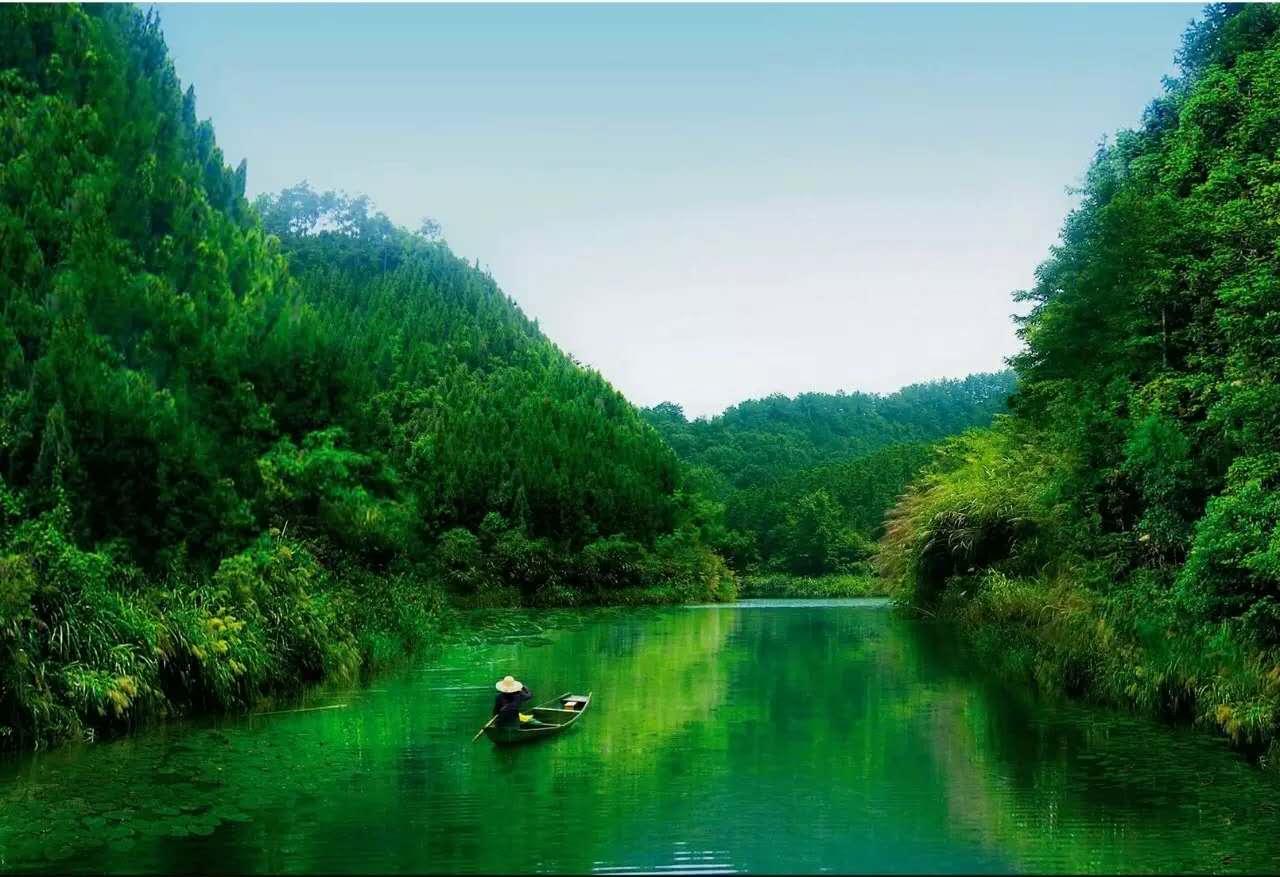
{"x": 95, "y": 648}
{"x": 980, "y": 541}
{"x": 89, "y": 647}
{"x": 785, "y": 586}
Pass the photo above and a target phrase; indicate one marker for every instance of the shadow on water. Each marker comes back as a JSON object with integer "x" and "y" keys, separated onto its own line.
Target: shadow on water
{"x": 763, "y": 737}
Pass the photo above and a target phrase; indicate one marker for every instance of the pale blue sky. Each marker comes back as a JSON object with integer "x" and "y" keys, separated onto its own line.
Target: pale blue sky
{"x": 707, "y": 203}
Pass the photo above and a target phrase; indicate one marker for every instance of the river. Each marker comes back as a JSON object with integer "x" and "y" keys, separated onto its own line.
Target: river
{"x": 766, "y": 736}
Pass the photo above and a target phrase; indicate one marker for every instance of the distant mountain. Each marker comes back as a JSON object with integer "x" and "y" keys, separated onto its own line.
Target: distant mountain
{"x": 821, "y": 468}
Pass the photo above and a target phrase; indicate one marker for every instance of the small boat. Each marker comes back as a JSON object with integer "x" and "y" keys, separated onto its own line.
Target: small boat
{"x": 553, "y": 717}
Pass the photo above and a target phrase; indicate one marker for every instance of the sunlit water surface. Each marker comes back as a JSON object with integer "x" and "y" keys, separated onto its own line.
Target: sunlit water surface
{"x": 762, "y": 737}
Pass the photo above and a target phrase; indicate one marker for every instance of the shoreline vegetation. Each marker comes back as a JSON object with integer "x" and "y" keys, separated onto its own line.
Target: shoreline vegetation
{"x": 213, "y": 654}
{"x": 784, "y": 586}
{"x": 1116, "y": 536}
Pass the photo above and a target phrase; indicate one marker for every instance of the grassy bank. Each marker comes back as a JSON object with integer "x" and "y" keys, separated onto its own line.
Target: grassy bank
{"x": 982, "y": 542}
{"x": 781, "y": 585}
{"x": 1125, "y": 649}
{"x": 103, "y": 648}
{"x": 92, "y": 647}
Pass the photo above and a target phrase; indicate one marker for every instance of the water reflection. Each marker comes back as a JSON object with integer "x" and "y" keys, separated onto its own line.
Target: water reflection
{"x": 758, "y": 738}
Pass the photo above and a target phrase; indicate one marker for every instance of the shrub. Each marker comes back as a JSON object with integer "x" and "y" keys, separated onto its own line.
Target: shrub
{"x": 785, "y": 586}
{"x": 981, "y": 504}
{"x": 613, "y": 563}
{"x": 1233, "y": 569}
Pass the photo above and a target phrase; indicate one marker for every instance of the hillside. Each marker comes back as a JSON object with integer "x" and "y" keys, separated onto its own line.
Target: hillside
{"x": 243, "y": 447}
{"x": 1119, "y": 534}
{"x": 805, "y": 482}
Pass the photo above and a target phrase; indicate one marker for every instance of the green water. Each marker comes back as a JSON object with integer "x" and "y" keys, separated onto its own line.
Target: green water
{"x": 763, "y": 737}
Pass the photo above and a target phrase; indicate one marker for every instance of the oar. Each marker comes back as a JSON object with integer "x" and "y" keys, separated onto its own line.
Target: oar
{"x": 309, "y": 709}
{"x": 481, "y": 731}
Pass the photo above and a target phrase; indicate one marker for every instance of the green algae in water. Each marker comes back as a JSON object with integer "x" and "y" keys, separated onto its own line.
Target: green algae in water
{"x": 709, "y": 747}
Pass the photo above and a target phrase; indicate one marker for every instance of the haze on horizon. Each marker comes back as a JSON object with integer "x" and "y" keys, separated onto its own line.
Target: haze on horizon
{"x": 707, "y": 204}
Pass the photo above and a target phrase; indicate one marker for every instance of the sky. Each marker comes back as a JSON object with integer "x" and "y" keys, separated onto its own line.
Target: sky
{"x": 705, "y": 203}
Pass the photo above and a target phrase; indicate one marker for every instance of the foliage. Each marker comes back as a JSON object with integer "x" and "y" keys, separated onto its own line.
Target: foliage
{"x": 1125, "y": 518}
{"x": 805, "y": 482}
{"x": 785, "y": 586}
{"x": 241, "y": 446}
{"x": 984, "y": 501}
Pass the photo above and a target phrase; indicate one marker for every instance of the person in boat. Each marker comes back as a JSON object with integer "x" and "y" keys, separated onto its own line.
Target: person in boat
{"x": 508, "y": 705}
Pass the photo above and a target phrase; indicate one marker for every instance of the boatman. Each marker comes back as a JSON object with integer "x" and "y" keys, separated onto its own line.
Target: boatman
{"x": 512, "y": 695}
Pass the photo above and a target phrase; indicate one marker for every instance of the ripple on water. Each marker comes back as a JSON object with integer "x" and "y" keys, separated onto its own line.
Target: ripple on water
{"x": 750, "y": 739}
{"x": 800, "y": 603}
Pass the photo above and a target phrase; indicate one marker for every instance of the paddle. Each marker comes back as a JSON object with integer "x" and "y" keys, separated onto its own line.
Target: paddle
{"x": 481, "y": 731}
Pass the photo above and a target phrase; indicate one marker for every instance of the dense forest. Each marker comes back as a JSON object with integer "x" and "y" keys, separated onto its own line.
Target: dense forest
{"x": 1118, "y": 534}
{"x": 245, "y": 446}
{"x": 804, "y": 483}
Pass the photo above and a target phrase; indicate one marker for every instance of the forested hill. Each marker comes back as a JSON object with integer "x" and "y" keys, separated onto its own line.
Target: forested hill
{"x": 805, "y": 482}
{"x": 241, "y": 447}
{"x": 761, "y": 440}
{"x": 422, "y": 360}
{"x": 1120, "y": 533}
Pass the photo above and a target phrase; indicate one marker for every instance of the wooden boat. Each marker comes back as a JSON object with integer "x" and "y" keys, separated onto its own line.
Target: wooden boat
{"x": 553, "y": 716}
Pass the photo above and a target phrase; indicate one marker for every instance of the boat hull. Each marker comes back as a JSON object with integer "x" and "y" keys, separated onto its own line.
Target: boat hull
{"x": 553, "y": 719}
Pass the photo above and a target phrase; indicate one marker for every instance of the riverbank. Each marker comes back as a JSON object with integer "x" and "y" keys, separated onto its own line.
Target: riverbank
{"x": 783, "y": 586}
{"x": 1126, "y": 649}
{"x": 104, "y": 651}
